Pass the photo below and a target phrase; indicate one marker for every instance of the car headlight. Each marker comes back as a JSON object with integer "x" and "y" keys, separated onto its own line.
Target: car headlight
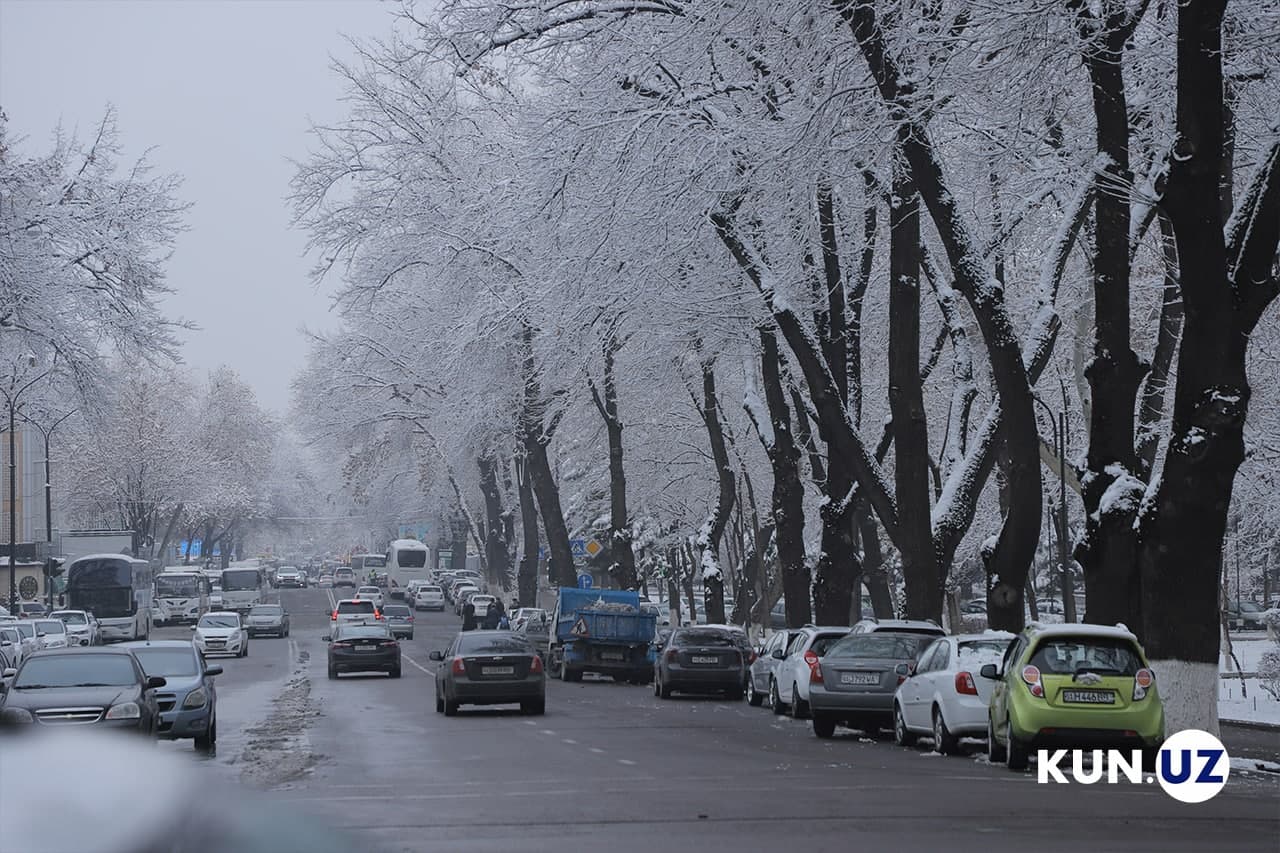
{"x": 196, "y": 698}
{"x": 16, "y": 715}
{"x": 124, "y": 711}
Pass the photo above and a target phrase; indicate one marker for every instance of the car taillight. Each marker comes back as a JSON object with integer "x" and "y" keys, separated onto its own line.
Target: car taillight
{"x": 377, "y": 614}
{"x": 1142, "y": 679}
{"x": 815, "y": 673}
{"x": 459, "y": 668}
{"x": 673, "y": 656}
{"x": 334, "y": 617}
{"x": 1031, "y": 675}
{"x": 965, "y": 685}
{"x": 536, "y": 666}
{"x": 340, "y": 644}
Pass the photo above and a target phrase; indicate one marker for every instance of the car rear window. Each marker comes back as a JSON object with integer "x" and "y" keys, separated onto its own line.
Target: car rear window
{"x": 355, "y": 606}
{"x": 824, "y": 642}
{"x": 879, "y": 646}
{"x": 705, "y": 638}
{"x": 1103, "y": 655}
{"x": 266, "y": 610}
{"x": 494, "y": 644}
{"x": 396, "y": 610}
{"x": 348, "y": 631}
{"x": 429, "y": 589}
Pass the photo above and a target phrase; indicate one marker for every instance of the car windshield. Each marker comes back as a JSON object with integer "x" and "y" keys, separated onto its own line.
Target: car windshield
{"x": 879, "y": 646}
{"x": 370, "y": 590}
{"x": 219, "y": 621}
{"x": 1070, "y": 655}
{"x": 61, "y": 670}
{"x": 349, "y": 631}
{"x": 355, "y": 607}
{"x": 704, "y": 638}
{"x": 51, "y": 626}
{"x": 176, "y": 587}
{"x": 72, "y": 618}
{"x": 242, "y": 579}
{"x": 26, "y": 629}
{"x": 167, "y": 662}
{"x": 494, "y": 644}
{"x": 267, "y": 610}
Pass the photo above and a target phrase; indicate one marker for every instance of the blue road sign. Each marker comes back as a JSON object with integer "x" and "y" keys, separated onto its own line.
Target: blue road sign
{"x": 578, "y": 547}
{"x": 584, "y": 581}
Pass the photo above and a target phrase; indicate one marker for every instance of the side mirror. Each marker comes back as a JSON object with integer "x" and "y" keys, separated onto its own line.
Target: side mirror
{"x": 327, "y": 637}
{"x": 41, "y": 634}
{"x": 989, "y": 671}
{"x": 193, "y": 627}
{"x": 211, "y": 671}
{"x": 903, "y": 670}
{"x": 9, "y": 673}
{"x": 435, "y": 656}
{"x": 155, "y": 682}
{"x": 779, "y": 654}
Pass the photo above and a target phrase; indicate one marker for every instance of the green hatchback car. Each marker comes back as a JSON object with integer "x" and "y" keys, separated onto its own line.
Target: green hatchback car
{"x": 1072, "y": 686}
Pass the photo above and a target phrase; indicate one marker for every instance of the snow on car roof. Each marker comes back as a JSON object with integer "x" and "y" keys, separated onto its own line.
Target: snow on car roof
{"x": 989, "y": 634}
{"x": 1079, "y": 629}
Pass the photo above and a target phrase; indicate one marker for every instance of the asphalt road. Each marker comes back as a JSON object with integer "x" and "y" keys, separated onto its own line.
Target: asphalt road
{"x": 611, "y": 767}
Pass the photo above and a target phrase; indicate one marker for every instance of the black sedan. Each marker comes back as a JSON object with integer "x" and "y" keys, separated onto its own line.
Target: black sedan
{"x": 700, "y": 659}
{"x": 489, "y": 668}
{"x": 363, "y": 647}
{"x": 87, "y": 685}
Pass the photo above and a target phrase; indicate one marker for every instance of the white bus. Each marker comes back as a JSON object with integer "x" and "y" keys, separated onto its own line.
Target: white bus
{"x": 407, "y": 560}
{"x": 184, "y": 591}
{"x": 243, "y": 587}
{"x": 117, "y": 590}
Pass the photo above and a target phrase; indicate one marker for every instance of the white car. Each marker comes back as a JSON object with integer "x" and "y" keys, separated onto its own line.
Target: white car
{"x": 51, "y": 633}
{"x": 946, "y": 699}
{"x": 789, "y": 689}
{"x": 82, "y": 628}
{"x": 481, "y": 603}
{"x": 429, "y": 596}
{"x": 221, "y": 632}
{"x": 369, "y": 593}
{"x": 15, "y": 645}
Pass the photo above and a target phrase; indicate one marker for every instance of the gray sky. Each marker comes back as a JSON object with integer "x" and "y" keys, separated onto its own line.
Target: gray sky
{"x": 225, "y": 91}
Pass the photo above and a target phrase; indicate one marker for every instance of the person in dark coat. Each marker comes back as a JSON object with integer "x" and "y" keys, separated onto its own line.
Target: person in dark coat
{"x": 468, "y": 617}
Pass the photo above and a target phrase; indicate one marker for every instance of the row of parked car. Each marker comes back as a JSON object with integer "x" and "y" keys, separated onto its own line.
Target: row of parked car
{"x": 1052, "y": 685}
{"x": 20, "y": 638}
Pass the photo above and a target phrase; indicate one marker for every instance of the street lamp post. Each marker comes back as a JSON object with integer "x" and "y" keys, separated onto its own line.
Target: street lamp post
{"x": 1059, "y": 427}
{"x": 11, "y": 397}
{"x": 47, "y": 435}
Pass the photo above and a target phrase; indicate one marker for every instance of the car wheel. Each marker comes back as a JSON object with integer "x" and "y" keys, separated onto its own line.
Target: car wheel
{"x": 664, "y": 691}
{"x": 754, "y": 697}
{"x": 450, "y": 708}
{"x": 995, "y": 752}
{"x": 1017, "y": 756}
{"x": 439, "y": 704}
{"x": 245, "y": 652}
{"x": 902, "y": 736}
{"x": 534, "y": 707}
{"x": 333, "y": 673}
{"x": 775, "y": 702}
{"x": 799, "y": 707}
{"x": 205, "y": 742}
{"x": 823, "y": 726}
{"x": 395, "y": 673}
{"x": 943, "y": 740}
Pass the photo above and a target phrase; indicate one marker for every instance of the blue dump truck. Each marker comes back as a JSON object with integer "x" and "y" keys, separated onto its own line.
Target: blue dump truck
{"x": 601, "y": 630}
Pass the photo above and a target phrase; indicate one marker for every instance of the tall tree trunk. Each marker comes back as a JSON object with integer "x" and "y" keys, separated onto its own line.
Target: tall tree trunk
{"x": 689, "y": 565}
{"x": 495, "y": 541}
{"x": 1226, "y": 284}
{"x": 788, "y": 490}
{"x": 924, "y": 587}
{"x": 712, "y": 532}
{"x": 536, "y": 434}
{"x": 1107, "y": 551}
{"x": 623, "y": 568}
{"x": 1153, "y": 392}
{"x": 527, "y": 581}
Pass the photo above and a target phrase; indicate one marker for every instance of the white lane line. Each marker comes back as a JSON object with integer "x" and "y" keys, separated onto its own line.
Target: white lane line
{"x": 418, "y": 665}
{"x": 570, "y": 740}
{"x": 597, "y": 750}
{"x": 625, "y": 761}
{"x": 547, "y": 732}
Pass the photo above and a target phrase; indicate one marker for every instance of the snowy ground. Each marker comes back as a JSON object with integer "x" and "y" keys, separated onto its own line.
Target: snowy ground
{"x": 1247, "y": 702}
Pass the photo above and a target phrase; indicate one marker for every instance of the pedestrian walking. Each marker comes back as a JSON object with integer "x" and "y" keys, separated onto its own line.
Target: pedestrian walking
{"x": 468, "y": 617}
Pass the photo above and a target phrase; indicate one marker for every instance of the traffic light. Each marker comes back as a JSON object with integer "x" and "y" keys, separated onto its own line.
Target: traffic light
{"x": 53, "y": 567}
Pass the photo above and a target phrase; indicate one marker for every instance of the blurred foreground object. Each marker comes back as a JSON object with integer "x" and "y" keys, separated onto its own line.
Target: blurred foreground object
{"x": 126, "y": 796}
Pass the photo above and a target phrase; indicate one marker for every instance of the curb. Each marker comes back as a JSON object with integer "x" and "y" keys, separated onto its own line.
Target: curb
{"x": 1251, "y": 724}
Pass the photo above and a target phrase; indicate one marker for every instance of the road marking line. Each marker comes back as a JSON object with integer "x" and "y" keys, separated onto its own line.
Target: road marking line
{"x": 418, "y": 665}
{"x": 570, "y": 740}
{"x": 597, "y": 749}
{"x": 547, "y": 732}
{"x": 625, "y": 761}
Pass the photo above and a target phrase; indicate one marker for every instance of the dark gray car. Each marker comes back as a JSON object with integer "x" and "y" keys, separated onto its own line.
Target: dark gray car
{"x": 106, "y": 687}
{"x": 489, "y": 668}
{"x": 855, "y": 681}
{"x": 267, "y": 619}
{"x": 700, "y": 659}
{"x": 188, "y": 703}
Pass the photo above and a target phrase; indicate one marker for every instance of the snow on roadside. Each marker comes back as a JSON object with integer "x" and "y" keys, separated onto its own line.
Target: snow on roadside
{"x": 1259, "y": 707}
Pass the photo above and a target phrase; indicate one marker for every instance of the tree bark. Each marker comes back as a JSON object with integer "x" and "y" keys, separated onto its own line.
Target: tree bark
{"x": 623, "y": 568}
{"x": 712, "y": 532}
{"x": 1226, "y": 283}
{"x": 527, "y": 580}
{"x": 924, "y": 586}
{"x": 536, "y": 434}
{"x": 495, "y": 539}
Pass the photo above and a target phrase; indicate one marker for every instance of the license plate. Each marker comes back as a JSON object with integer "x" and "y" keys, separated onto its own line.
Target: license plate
{"x": 498, "y": 670}
{"x": 859, "y": 678}
{"x": 706, "y": 659}
{"x": 612, "y": 656}
{"x": 1089, "y": 697}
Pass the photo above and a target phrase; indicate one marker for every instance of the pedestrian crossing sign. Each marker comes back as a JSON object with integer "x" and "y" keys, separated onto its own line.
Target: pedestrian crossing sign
{"x": 580, "y": 628}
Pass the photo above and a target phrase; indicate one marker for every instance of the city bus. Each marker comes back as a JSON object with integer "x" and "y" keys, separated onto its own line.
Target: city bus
{"x": 184, "y": 591}
{"x": 243, "y": 587}
{"x": 407, "y": 560}
{"x": 117, "y": 590}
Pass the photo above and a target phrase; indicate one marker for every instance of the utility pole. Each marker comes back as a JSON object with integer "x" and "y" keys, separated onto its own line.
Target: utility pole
{"x": 47, "y": 435}
{"x": 11, "y": 397}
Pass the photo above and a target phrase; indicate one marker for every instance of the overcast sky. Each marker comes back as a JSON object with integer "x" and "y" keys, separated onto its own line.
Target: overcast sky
{"x": 224, "y": 90}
